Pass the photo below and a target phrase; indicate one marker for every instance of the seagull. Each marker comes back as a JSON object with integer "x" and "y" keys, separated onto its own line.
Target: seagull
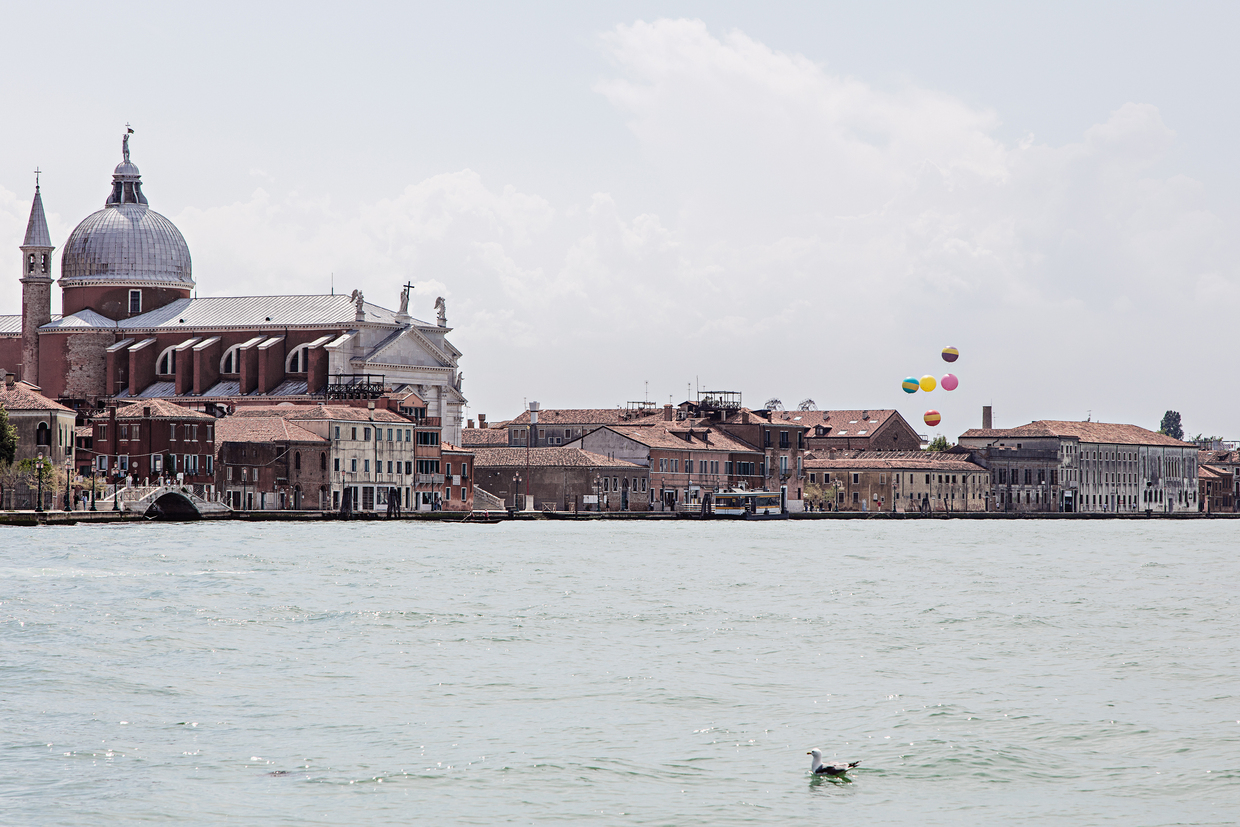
{"x": 819, "y": 768}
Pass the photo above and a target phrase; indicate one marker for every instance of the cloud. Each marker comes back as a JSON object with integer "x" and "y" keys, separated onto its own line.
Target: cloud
{"x": 819, "y": 236}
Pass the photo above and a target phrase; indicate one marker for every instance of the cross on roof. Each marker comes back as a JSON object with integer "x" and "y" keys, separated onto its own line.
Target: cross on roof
{"x": 37, "y": 172}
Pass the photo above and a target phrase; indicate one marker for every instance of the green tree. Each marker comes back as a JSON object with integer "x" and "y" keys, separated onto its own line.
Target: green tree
{"x": 939, "y": 443}
{"x": 8, "y": 439}
{"x": 1171, "y": 425}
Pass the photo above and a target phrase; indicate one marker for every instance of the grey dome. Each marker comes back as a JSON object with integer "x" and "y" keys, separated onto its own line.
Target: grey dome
{"x": 126, "y": 242}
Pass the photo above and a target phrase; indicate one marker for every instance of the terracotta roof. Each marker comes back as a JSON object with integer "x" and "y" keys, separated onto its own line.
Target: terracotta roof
{"x": 261, "y": 429}
{"x": 589, "y": 416}
{"x": 446, "y": 447}
{"x": 160, "y": 409}
{"x": 895, "y": 460}
{"x": 1206, "y": 472}
{"x": 484, "y": 437}
{"x": 83, "y": 430}
{"x": 673, "y": 436}
{"x": 1104, "y": 432}
{"x": 545, "y": 457}
{"x": 862, "y": 419}
{"x": 1218, "y": 457}
{"x": 24, "y": 396}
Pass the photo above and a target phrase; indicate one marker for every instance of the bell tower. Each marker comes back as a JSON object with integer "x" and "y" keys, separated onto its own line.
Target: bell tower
{"x": 36, "y": 285}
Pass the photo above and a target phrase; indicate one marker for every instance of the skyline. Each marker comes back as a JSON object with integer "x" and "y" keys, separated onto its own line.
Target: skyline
{"x": 714, "y": 200}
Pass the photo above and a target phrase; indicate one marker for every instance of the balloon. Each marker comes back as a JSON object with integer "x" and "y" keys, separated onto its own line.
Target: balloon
{"x": 910, "y": 385}
{"x": 949, "y": 382}
{"x": 928, "y": 383}
{"x": 950, "y": 354}
{"x": 933, "y": 418}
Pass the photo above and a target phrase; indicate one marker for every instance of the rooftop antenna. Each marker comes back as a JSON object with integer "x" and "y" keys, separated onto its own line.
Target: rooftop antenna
{"x": 333, "y": 283}
{"x": 647, "y": 390}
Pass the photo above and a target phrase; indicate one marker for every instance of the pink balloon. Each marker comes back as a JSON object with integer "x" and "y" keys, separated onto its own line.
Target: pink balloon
{"x": 949, "y": 383}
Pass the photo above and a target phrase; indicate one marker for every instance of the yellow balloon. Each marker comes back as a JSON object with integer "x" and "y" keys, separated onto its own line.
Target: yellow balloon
{"x": 928, "y": 383}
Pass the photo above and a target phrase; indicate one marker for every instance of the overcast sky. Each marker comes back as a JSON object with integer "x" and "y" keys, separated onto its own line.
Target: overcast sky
{"x": 792, "y": 200}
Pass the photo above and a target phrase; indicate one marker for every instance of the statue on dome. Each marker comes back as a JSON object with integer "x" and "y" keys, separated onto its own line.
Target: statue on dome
{"x": 441, "y": 311}
{"x": 125, "y": 142}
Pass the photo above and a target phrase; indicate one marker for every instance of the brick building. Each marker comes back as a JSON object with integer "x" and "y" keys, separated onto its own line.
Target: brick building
{"x": 153, "y": 440}
{"x": 900, "y": 481}
{"x": 458, "y": 470}
{"x": 268, "y": 462}
{"x": 561, "y": 478}
{"x": 777, "y": 435}
{"x": 559, "y": 426}
{"x": 1218, "y": 481}
{"x": 684, "y": 461}
{"x": 860, "y": 430}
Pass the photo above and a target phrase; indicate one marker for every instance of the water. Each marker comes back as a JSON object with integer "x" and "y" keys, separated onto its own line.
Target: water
{"x": 648, "y": 673}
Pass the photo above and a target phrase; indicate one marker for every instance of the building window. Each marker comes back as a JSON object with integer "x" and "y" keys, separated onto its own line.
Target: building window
{"x": 167, "y": 364}
{"x": 407, "y": 435}
{"x": 365, "y": 466}
{"x": 428, "y": 438}
{"x": 353, "y": 466}
{"x": 297, "y": 360}
{"x": 389, "y": 466}
{"x": 43, "y": 435}
{"x": 135, "y": 302}
{"x": 335, "y": 463}
{"x": 231, "y": 362}
{"x": 365, "y": 435}
{"x": 408, "y": 467}
{"x": 857, "y": 480}
{"x": 353, "y": 433}
{"x": 297, "y": 461}
{"x": 337, "y": 432}
{"x": 783, "y": 439}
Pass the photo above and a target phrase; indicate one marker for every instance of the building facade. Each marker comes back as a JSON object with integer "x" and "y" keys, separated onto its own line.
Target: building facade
{"x": 561, "y": 479}
{"x": 152, "y": 441}
{"x": 1099, "y": 467}
{"x": 898, "y": 481}
{"x": 269, "y": 463}
{"x": 131, "y": 328}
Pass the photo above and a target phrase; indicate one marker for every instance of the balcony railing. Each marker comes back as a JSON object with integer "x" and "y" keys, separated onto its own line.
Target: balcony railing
{"x": 429, "y": 479}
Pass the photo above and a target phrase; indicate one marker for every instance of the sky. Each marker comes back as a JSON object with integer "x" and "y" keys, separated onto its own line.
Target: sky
{"x": 633, "y": 201}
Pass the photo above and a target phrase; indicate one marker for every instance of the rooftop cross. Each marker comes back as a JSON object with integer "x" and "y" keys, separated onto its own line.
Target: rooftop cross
{"x": 37, "y": 172}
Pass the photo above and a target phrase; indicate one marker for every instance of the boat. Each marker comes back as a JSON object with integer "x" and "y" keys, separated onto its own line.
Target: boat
{"x": 747, "y": 505}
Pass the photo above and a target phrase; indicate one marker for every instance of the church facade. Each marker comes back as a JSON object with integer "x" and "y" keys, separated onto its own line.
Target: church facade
{"x": 131, "y": 327}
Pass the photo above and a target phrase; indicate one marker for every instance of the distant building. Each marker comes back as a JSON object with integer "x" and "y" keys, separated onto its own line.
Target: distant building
{"x": 1097, "y": 467}
{"x": 777, "y": 435}
{"x": 43, "y": 426}
{"x": 561, "y": 479}
{"x": 684, "y": 461}
{"x": 132, "y": 327}
{"x": 152, "y": 440}
{"x": 1219, "y": 481}
{"x": 458, "y": 469}
{"x": 860, "y": 430}
{"x": 268, "y": 462}
{"x": 559, "y": 426}
{"x": 900, "y": 481}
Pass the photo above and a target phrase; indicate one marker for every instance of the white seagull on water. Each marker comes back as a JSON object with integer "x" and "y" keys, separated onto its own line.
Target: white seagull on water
{"x": 818, "y": 768}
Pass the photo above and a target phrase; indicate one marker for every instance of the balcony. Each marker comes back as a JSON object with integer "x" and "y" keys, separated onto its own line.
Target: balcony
{"x": 429, "y": 479}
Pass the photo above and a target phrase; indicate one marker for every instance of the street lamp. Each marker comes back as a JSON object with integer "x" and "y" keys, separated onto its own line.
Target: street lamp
{"x": 598, "y": 489}
{"x": 38, "y": 472}
{"x": 93, "y": 462}
{"x": 68, "y": 467}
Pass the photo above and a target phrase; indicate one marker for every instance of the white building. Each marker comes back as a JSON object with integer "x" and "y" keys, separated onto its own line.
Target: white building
{"x": 1104, "y": 467}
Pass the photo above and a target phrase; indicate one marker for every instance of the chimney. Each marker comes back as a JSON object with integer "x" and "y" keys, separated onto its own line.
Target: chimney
{"x": 744, "y": 417}
{"x": 865, "y": 416}
{"x": 667, "y": 412}
{"x": 10, "y": 379}
{"x": 469, "y": 423}
{"x": 482, "y": 420}
{"x": 987, "y": 419}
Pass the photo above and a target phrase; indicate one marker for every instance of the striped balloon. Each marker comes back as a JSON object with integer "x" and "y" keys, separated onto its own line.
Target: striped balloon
{"x": 950, "y": 354}
{"x": 933, "y": 418}
{"x": 910, "y": 385}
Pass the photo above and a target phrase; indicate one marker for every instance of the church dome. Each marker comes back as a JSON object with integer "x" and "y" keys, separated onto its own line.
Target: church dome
{"x": 126, "y": 243}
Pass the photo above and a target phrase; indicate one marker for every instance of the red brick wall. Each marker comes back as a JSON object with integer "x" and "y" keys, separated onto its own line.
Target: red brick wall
{"x": 270, "y": 368}
{"x": 207, "y": 366}
{"x": 113, "y": 302}
{"x": 316, "y": 372}
{"x": 249, "y": 368}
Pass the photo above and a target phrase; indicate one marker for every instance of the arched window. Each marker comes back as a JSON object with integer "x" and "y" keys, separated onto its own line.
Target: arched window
{"x": 43, "y": 263}
{"x": 43, "y": 434}
{"x": 297, "y": 461}
{"x": 30, "y": 265}
{"x": 323, "y": 462}
{"x": 231, "y": 363}
{"x": 166, "y": 365}
{"x": 296, "y": 361}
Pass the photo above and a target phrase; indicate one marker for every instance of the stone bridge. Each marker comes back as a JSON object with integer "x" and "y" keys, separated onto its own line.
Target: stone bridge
{"x": 166, "y": 502}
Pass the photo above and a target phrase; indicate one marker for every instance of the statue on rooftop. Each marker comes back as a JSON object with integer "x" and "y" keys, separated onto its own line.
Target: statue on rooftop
{"x": 404, "y": 299}
{"x": 441, "y": 311}
{"x": 357, "y": 299}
